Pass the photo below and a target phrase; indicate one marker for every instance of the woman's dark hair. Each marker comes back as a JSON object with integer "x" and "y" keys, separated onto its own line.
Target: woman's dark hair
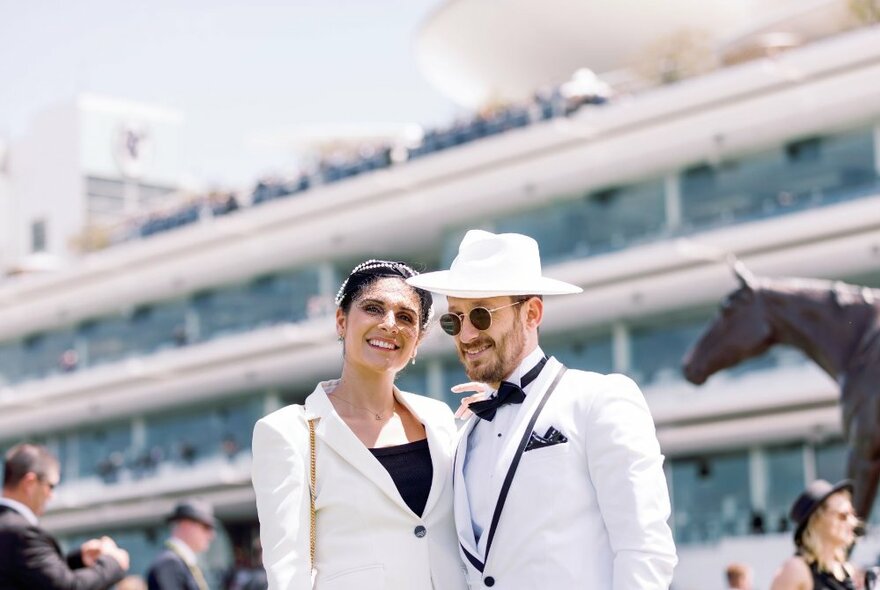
{"x": 367, "y": 273}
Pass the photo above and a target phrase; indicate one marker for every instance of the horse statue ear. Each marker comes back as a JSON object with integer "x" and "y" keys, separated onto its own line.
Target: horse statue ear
{"x": 743, "y": 274}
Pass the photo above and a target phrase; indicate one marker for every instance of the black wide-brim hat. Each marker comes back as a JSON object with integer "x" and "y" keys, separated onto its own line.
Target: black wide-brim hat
{"x": 810, "y": 500}
{"x": 196, "y": 510}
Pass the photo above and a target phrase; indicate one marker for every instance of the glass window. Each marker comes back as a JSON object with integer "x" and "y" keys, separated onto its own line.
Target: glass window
{"x": 236, "y": 424}
{"x": 414, "y": 379}
{"x": 587, "y": 352}
{"x": 182, "y": 436}
{"x": 831, "y": 458}
{"x": 785, "y": 481}
{"x": 47, "y": 353}
{"x": 453, "y": 374}
{"x": 267, "y": 300}
{"x": 11, "y": 354}
{"x": 154, "y": 327}
{"x": 103, "y": 452}
{"x": 601, "y": 221}
{"x": 107, "y": 339}
{"x": 711, "y": 497}
{"x": 658, "y": 349}
{"x": 223, "y": 311}
{"x": 805, "y": 173}
{"x": 188, "y": 435}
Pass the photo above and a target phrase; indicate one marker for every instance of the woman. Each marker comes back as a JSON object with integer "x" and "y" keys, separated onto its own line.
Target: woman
{"x": 383, "y": 458}
{"x": 825, "y": 529}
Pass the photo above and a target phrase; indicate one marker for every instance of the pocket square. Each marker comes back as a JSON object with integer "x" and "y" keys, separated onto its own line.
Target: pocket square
{"x": 552, "y": 437}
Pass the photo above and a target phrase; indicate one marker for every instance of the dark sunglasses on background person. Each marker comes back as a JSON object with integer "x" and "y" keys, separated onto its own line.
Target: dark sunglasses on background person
{"x": 480, "y": 318}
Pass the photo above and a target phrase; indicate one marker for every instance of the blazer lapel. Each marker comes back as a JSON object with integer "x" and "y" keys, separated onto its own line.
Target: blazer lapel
{"x": 338, "y": 436}
{"x": 461, "y": 506}
{"x": 439, "y": 448}
{"x": 523, "y": 417}
{"x": 511, "y": 453}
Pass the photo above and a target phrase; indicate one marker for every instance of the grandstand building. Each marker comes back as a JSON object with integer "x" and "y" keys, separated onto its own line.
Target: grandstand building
{"x": 146, "y": 364}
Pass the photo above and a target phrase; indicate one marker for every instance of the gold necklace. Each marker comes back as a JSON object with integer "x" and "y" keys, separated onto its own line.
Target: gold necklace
{"x": 376, "y": 415}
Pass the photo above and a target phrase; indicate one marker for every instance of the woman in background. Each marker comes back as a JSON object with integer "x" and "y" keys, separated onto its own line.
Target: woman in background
{"x": 825, "y": 530}
{"x": 383, "y": 458}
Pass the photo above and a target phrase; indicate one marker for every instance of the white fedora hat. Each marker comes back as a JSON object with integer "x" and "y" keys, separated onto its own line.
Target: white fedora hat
{"x": 490, "y": 265}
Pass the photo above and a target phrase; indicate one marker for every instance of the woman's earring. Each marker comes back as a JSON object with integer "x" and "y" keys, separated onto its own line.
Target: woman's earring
{"x": 413, "y": 360}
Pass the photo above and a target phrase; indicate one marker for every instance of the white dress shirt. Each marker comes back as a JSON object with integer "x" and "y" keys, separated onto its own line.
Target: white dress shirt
{"x": 484, "y": 445}
{"x": 21, "y": 509}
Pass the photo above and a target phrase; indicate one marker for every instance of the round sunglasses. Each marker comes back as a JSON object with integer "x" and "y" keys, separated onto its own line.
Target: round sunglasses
{"x": 480, "y": 318}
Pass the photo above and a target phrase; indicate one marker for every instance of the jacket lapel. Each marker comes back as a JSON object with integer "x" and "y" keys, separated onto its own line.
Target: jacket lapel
{"x": 523, "y": 417}
{"x": 438, "y": 446}
{"x": 461, "y": 506}
{"x": 515, "y": 444}
{"x": 336, "y": 434}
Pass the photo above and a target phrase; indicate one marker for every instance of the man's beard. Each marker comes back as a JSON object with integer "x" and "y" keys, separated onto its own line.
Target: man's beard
{"x": 505, "y": 353}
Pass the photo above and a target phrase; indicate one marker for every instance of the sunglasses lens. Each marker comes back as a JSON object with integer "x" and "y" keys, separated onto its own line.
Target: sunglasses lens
{"x": 450, "y": 323}
{"x": 481, "y": 318}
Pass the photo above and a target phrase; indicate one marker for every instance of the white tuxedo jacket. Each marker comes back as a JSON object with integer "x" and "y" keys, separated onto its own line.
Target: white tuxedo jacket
{"x": 587, "y": 513}
{"x": 367, "y": 537}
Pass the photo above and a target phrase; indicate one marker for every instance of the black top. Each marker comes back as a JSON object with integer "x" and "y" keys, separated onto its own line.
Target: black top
{"x": 410, "y": 467}
{"x": 826, "y": 581}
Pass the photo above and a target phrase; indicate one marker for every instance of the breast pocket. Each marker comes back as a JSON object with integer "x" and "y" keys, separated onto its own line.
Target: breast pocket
{"x": 367, "y": 577}
{"x": 558, "y": 451}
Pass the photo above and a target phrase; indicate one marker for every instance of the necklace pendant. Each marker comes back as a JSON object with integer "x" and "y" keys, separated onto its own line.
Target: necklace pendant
{"x": 378, "y": 416}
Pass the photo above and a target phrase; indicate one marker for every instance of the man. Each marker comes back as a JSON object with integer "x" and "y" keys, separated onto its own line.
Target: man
{"x": 558, "y": 477}
{"x": 739, "y": 576}
{"x": 192, "y": 531}
{"x": 30, "y": 558}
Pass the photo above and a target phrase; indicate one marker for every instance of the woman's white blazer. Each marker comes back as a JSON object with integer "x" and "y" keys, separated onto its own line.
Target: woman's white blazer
{"x": 367, "y": 537}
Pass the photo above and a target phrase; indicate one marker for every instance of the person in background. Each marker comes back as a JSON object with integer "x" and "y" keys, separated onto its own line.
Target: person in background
{"x": 192, "y": 531}
{"x": 30, "y": 558}
{"x": 825, "y": 525}
{"x": 739, "y": 576}
{"x": 383, "y": 458}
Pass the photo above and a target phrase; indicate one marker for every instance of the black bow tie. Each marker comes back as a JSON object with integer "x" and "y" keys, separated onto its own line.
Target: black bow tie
{"x": 508, "y": 393}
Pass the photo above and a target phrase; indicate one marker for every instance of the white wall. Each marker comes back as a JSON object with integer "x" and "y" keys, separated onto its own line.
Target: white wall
{"x": 46, "y": 181}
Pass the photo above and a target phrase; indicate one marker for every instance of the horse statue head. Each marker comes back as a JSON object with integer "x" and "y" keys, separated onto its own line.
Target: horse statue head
{"x": 740, "y": 331}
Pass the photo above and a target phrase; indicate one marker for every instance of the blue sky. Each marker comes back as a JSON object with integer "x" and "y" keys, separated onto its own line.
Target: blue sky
{"x": 240, "y": 72}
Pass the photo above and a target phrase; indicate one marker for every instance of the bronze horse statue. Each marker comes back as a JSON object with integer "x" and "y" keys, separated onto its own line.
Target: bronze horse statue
{"x": 835, "y": 324}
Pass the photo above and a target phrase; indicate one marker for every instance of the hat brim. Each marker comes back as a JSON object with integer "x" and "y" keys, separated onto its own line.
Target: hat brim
{"x": 845, "y": 484}
{"x": 443, "y": 282}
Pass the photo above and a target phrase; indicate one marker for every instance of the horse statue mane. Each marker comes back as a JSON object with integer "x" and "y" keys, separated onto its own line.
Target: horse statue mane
{"x": 835, "y": 324}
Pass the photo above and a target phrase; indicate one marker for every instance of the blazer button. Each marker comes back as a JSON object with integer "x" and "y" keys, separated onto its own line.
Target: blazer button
{"x": 489, "y": 581}
{"x": 420, "y": 531}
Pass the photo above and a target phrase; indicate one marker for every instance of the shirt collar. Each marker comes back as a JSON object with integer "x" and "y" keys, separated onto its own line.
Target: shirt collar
{"x": 532, "y": 359}
{"x": 183, "y": 550}
{"x": 21, "y": 509}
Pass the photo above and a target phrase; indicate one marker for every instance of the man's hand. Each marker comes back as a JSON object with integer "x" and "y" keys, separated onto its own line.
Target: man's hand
{"x": 95, "y": 548}
{"x": 481, "y": 392}
{"x": 91, "y": 550}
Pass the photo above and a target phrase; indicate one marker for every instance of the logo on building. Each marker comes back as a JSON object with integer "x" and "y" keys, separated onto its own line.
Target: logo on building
{"x": 132, "y": 148}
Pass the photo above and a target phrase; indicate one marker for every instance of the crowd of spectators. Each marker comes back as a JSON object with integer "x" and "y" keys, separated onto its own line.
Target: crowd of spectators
{"x": 584, "y": 88}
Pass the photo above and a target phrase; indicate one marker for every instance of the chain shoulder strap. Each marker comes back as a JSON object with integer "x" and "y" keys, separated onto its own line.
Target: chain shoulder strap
{"x": 313, "y": 536}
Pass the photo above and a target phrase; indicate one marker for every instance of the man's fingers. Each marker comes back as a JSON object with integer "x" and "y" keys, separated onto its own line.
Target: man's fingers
{"x": 475, "y": 386}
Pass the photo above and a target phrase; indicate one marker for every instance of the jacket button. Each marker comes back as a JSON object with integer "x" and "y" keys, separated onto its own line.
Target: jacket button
{"x": 489, "y": 581}
{"x": 420, "y": 531}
